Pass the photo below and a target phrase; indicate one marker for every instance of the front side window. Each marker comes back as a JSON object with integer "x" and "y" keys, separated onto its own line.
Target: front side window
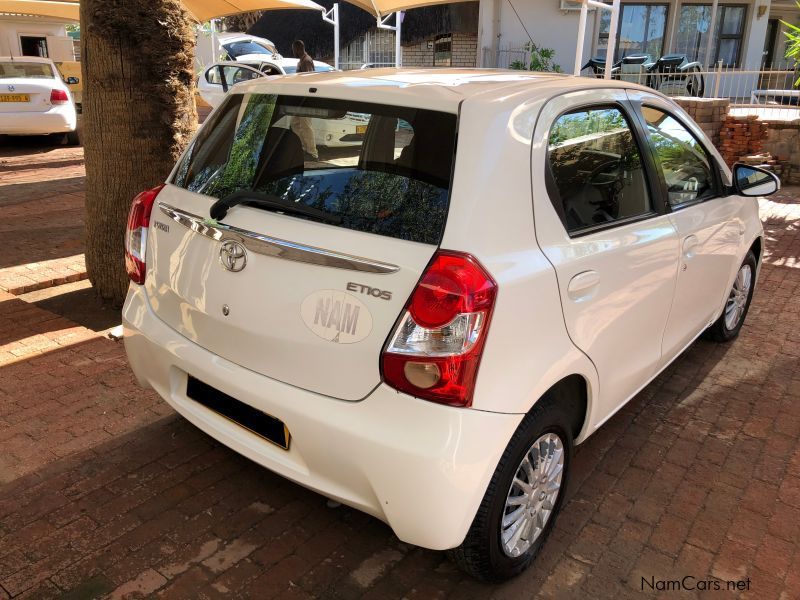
{"x": 597, "y": 169}
{"x": 230, "y": 75}
{"x": 373, "y": 168}
{"x": 683, "y": 161}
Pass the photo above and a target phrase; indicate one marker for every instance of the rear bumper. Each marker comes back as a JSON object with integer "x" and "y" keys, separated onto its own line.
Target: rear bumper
{"x": 59, "y": 119}
{"x": 421, "y": 467}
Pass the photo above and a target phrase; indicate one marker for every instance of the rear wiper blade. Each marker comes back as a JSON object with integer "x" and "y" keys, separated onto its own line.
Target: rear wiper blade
{"x": 270, "y": 202}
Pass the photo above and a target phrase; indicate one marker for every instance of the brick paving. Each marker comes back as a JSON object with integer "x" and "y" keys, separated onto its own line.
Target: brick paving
{"x": 105, "y": 492}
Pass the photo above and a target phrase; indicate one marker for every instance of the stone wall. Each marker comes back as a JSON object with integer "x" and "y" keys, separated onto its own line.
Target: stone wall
{"x": 772, "y": 144}
{"x": 783, "y": 142}
{"x": 464, "y": 51}
{"x": 708, "y": 113}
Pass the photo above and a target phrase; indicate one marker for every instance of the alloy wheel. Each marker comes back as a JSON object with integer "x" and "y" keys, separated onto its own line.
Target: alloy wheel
{"x": 532, "y": 495}
{"x": 737, "y": 299}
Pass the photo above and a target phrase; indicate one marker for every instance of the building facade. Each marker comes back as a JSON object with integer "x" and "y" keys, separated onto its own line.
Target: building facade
{"x": 741, "y": 34}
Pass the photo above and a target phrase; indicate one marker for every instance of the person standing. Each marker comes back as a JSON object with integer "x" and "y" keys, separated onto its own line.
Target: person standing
{"x": 302, "y": 125}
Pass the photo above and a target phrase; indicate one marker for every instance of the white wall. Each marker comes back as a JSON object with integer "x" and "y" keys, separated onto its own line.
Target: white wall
{"x": 549, "y": 27}
{"x": 12, "y": 27}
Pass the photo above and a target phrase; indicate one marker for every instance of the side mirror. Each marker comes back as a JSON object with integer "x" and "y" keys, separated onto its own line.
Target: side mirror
{"x": 754, "y": 181}
{"x": 72, "y": 81}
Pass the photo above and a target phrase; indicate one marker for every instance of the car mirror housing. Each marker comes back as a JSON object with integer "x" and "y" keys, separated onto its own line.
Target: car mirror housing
{"x": 754, "y": 181}
{"x": 72, "y": 81}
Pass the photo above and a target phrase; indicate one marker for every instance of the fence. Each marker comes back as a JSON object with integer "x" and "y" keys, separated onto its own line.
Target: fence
{"x": 375, "y": 49}
{"x": 769, "y": 93}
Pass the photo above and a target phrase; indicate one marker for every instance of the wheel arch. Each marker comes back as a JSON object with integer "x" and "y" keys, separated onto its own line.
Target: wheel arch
{"x": 572, "y": 392}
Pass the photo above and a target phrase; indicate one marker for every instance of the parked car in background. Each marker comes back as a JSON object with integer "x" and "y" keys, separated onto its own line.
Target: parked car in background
{"x": 35, "y": 100}
{"x": 246, "y": 47}
{"x": 215, "y": 82}
{"x": 424, "y": 326}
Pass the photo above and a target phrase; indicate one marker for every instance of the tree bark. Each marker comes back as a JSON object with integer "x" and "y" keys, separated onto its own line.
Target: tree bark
{"x": 242, "y": 21}
{"x": 138, "y": 115}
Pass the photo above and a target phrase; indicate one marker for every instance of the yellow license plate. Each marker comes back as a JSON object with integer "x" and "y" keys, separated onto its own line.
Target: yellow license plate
{"x": 15, "y": 98}
{"x": 361, "y": 129}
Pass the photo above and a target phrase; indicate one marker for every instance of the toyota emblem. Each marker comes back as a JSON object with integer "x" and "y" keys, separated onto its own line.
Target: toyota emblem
{"x": 233, "y": 256}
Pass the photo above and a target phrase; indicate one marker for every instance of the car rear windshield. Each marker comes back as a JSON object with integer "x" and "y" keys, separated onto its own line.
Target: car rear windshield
{"x": 292, "y": 69}
{"x": 244, "y": 47}
{"x": 374, "y": 168}
{"x": 25, "y": 70}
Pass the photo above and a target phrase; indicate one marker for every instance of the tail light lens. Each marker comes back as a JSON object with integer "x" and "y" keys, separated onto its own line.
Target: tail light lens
{"x": 436, "y": 348}
{"x": 136, "y": 234}
{"x": 58, "y": 97}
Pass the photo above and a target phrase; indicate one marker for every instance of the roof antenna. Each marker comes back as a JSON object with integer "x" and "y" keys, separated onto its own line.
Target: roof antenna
{"x": 520, "y": 21}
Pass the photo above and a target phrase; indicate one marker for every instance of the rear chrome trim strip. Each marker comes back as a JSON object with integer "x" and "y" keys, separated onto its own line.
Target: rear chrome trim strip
{"x": 277, "y": 248}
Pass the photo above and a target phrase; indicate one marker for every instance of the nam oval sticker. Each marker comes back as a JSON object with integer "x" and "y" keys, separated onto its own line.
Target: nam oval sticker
{"x": 336, "y": 316}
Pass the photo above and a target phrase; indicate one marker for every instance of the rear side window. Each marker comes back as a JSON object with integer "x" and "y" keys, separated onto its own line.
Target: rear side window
{"x": 683, "y": 161}
{"x": 374, "y": 168}
{"x": 596, "y": 169}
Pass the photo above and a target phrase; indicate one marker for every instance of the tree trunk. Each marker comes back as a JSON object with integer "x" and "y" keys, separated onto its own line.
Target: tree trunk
{"x": 137, "y": 60}
{"x": 242, "y": 21}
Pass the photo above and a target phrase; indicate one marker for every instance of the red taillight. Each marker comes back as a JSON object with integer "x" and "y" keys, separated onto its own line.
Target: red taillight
{"x": 136, "y": 234}
{"x": 436, "y": 348}
{"x": 58, "y": 97}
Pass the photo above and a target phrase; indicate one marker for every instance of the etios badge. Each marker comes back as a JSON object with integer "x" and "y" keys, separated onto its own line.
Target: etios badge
{"x": 336, "y": 316}
{"x": 233, "y": 256}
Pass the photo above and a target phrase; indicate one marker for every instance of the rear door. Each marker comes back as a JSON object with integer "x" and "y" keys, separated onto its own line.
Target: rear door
{"x": 709, "y": 221}
{"x": 217, "y": 79}
{"x": 601, "y": 225}
{"x": 307, "y": 299}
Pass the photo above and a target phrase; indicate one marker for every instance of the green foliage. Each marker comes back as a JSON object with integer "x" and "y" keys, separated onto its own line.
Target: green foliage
{"x": 540, "y": 59}
{"x": 793, "y": 49}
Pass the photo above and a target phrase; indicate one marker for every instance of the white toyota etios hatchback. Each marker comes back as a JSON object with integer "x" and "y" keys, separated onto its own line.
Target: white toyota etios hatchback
{"x": 423, "y": 325}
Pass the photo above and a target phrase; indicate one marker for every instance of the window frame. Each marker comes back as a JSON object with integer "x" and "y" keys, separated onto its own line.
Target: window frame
{"x": 719, "y": 187}
{"x": 730, "y": 36}
{"x": 649, "y": 6}
{"x": 649, "y": 167}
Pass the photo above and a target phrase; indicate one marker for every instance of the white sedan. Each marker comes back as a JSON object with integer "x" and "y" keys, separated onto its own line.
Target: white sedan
{"x": 34, "y": 99}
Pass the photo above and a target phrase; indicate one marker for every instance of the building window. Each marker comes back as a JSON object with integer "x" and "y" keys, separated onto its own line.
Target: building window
{"x": 692, "y": 35}
{"x": 641, "y": 30}
{"x": 443, "y": 51}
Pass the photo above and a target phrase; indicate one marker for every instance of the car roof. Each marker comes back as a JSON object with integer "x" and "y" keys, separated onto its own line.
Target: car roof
{"x": 28, "y": 59}
{"x": 231, "y": 36}
{"x": 433, "y": 88}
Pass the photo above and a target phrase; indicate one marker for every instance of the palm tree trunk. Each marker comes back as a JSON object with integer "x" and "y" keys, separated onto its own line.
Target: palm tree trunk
{"x": 138, "y": 115}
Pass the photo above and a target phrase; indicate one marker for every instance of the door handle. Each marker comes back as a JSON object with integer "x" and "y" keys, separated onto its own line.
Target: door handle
{"x": 690, "y": 243}
{"x": 583, "y": 286}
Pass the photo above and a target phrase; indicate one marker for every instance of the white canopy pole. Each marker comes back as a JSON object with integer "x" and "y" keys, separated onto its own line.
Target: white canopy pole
{"x": 711, "y": 31}
{"x": 581, "y": 35}
{"x": 612, "y": 33}
{"x": 397, "y": 28}
{"x": 332, "y": 17}
{"x": 612, "y": 39}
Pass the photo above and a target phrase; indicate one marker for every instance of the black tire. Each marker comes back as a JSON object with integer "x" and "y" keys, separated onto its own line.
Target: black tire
{"x": 481, "y": 554}
{"x": 719, "y": 331}
{"x": 73, "y": 139}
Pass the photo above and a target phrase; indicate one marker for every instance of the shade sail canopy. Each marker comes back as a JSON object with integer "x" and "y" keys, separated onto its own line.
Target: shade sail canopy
{"x": 202, "y": 10}
{"x": 384, "y": 7}
{"x": 42, "y": 8}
